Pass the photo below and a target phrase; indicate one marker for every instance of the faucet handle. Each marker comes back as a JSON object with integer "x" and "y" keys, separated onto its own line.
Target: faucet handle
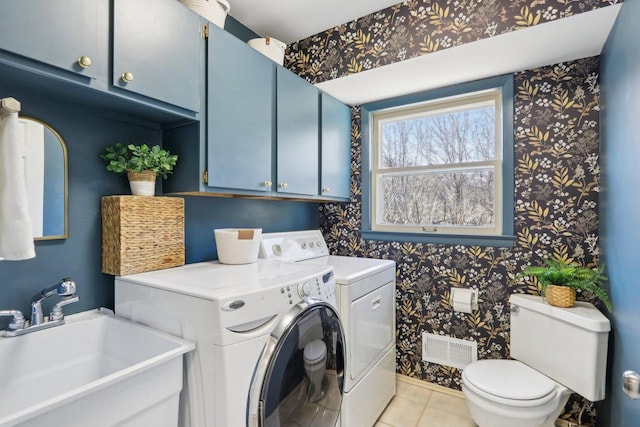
{"x": 17, "y": 322}
{"x": 64, "y": 288}
{"x": 56, "y": 312}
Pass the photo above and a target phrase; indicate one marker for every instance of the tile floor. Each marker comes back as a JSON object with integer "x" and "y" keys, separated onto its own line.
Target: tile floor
{"x": 417, "y": 406}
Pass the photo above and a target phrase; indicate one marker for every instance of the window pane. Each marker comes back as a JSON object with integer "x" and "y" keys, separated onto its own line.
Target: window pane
{"x": 463, "y": 198}
{"x": 463, "y": 135}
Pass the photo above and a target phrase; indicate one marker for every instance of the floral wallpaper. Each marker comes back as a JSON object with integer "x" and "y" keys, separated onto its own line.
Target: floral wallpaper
{"x": 556, "y": 212}
{"x": 419, "y": 27}
{"x": 556, "y": 172}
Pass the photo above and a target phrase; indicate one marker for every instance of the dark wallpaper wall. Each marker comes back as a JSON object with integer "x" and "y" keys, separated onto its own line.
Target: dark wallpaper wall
{"x": 419, "y": 27}
{"x": 556, "y": 198}
{"x": 556, "y": 122}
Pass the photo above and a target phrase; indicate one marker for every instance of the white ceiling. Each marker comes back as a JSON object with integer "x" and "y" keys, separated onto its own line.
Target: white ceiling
{"x": 578, "y": 36}
{"x": 293, "y": 20}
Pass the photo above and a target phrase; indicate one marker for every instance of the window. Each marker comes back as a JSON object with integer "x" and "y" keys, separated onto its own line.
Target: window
{"x": 437, "y": 167}
{"x": 441, "y": 166}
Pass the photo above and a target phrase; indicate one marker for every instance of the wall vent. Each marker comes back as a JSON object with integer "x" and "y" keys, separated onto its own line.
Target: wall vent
{"x": 448, "y": 351}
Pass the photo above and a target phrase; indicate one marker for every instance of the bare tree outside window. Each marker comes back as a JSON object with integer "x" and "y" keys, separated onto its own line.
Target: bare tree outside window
{"x": 436, "y": 166}
{"x": 464, "y": 199}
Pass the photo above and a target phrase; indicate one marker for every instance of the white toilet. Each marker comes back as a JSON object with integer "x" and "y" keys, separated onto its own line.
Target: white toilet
{"x": 315, "y": 362}
{"x": 557, "y": 351}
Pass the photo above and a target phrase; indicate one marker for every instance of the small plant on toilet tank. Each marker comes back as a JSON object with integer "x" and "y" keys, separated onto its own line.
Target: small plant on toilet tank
{"x": 560, "y": 273}
{"x": 141, "y": 163}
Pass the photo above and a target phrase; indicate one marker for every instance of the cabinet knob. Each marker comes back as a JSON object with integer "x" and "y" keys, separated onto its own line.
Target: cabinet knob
{"x": 84, "y": 62}
{"x": 127, "y": 77}
{"x": 283, "y": 185}
{"x": 268, "y": 183}
{"x": 326, "y": 190}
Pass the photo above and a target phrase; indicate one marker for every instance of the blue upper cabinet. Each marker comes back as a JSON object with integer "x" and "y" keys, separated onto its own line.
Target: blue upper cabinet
{"x": 72, "y": 35}
{"x": 240, "y": 116}
{"x": 335, "y": 180}
{"x": 297, "y": 135}
{"x": 157, "y": 50}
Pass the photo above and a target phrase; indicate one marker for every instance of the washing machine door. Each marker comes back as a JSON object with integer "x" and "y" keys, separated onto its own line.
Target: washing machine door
{"x": 299, "y": 377}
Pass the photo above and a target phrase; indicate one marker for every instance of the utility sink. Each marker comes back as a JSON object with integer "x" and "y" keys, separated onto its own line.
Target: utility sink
{"x": 95, "y": 370}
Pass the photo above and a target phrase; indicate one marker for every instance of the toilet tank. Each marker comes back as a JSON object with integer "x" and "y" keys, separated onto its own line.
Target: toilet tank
{"x": 568, "y": 345}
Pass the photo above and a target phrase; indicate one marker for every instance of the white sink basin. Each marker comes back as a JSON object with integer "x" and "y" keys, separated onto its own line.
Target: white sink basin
{"x": 96, "y": 370}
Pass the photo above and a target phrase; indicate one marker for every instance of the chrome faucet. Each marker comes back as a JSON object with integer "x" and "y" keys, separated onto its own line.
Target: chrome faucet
{"x": 19, "y": 326}
{"x": 64, "y": 288}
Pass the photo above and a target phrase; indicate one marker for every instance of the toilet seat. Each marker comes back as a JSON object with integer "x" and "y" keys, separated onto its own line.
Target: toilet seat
{"x": 315, "y": 351}
{"x": 509, "y": 382}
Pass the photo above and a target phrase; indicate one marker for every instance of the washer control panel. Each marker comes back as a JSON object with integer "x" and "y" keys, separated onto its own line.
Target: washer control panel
{"x": 322, "y": 287}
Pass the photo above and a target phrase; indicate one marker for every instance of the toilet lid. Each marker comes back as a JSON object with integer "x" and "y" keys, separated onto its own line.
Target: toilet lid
{"x": 509, "y": 379}
{"x": 315, "y": 350}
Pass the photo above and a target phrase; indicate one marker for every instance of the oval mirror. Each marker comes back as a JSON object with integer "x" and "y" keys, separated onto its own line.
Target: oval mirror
{"x": 46, "y": 177}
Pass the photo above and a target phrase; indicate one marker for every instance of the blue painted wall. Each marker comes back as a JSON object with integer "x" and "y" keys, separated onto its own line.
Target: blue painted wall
{"x": 241, "y": 31}
{"x": 203, "y": 214}
{"x": 86, "y": 132}
{"x": 620, "y": 204}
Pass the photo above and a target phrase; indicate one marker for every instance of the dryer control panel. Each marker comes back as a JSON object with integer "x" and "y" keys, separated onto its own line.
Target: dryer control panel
{"x": 293, "y": 245}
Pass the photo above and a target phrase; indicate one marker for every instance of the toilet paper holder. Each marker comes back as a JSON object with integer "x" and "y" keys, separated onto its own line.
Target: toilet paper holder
{"x": 463, "y": 299}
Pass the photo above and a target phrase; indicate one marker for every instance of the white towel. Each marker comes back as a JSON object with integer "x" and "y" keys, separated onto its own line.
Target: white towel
{"x": 16, "y": 234}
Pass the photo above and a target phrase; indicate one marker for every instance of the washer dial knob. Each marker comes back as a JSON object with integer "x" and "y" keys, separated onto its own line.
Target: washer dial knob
{"x": 304, "y": 289}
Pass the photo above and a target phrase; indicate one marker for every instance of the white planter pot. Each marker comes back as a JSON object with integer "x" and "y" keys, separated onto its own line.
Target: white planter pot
{"x": 269, "y": 47}
{"x": 214, "y": 10}
{"x": 142, "y": 183}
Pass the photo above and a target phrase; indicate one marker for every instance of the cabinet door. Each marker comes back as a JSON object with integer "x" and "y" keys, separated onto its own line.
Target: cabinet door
{"x": 68, "y": 34}
{"x": 297, "y": 134}
{"x": 156, "y": 51}
{"x": 335, "y": 178}
{"x": 240, "y": 117}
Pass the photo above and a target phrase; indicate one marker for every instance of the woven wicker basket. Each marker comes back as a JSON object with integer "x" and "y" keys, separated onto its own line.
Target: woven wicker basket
{"x": 141, "y": 234}
{"x": 560, "y": 296}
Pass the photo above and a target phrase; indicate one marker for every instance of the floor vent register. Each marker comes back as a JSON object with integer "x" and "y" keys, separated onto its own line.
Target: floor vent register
{"x": 448, "y": 351}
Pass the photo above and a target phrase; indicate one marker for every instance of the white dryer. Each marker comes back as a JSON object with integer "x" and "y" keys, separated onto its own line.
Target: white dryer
{"x": 266, "y": 327}
{"x": 365, "y": 293}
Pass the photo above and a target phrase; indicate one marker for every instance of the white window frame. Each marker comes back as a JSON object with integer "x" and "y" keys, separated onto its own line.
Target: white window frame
{"x": 438, "y": 106}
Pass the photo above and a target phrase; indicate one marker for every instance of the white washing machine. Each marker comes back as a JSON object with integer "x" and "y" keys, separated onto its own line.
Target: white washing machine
{"x": 268, "y": 328}
{"x": 365, "y": 293}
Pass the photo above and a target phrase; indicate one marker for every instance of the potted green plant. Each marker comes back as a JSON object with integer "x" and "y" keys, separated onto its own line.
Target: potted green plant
{"x": 559, "y": 280}
{"x": 141, "y": 163}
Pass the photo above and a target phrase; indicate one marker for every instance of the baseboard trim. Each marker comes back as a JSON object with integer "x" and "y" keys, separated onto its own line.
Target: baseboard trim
{"x": 430, "y": 386}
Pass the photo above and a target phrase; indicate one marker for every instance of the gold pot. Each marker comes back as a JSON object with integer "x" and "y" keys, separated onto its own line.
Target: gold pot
{"x": 560, "y": 296}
